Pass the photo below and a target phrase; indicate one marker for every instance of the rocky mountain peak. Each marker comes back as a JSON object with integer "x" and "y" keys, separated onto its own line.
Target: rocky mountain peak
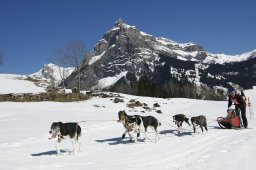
{"x": 119, "y": 31}
{"x": 119, "y": 22}
{"x": 126, "y": 57}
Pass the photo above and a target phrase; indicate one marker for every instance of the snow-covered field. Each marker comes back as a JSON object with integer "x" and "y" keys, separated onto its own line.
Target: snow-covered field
{"x": 24, "y": 133}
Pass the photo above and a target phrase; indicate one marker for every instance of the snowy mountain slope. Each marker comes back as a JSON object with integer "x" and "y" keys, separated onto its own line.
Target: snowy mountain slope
{"x": 126, "y": 49}
{"x": 223, "y": 58}
{"x": 52, "y": 73}
{"x": 24, "y": 136}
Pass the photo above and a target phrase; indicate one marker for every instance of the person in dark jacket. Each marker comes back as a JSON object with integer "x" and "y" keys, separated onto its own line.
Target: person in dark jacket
{"x": 239, "y": 102}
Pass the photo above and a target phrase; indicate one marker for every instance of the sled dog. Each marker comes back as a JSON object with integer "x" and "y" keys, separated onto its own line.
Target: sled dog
{"x": 199, "y": 120}
{"x": 142, "y": 123}
{"x": 179, "y": 119}
{"x": 65, "y": 131}
{"x": 128, "y": 121}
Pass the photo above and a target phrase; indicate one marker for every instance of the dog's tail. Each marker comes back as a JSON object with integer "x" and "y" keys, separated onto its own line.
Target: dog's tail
{"x": 187, "y": 120}
{"x": 78, "y": 129}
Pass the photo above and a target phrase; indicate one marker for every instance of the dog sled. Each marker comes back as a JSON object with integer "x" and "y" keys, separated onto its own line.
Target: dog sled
{"x": 231, "y": 121}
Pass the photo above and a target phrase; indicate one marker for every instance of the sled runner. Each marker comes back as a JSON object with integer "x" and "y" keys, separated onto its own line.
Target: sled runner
{"x": 231, "y": 121}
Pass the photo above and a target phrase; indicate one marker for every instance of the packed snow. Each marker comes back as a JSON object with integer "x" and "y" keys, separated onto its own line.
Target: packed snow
{"x": 24, "y": 134}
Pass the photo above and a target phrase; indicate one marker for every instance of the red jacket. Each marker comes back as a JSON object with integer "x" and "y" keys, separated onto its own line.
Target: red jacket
{"x": 237, "y": 100}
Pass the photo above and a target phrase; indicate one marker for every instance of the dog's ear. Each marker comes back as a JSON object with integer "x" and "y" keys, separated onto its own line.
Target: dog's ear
{"x": 59, "y": 123}
{"x": 54, "y": 123}
{"x": 124, "y": 113}
{"x": 133, "y": 119}
{"x": 119, "y": 114}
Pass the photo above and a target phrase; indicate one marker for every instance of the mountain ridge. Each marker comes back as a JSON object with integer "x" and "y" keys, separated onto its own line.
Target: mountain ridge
{"x": 125, "y": 54}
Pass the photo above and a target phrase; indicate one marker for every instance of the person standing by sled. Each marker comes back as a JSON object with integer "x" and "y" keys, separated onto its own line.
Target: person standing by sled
{"x": 239, "y": 102}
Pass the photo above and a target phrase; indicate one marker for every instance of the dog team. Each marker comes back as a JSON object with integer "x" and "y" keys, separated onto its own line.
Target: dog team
{"x": 133, "y": 124}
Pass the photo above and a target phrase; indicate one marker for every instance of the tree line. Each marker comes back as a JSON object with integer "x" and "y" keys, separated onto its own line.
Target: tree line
{"x": 169, "y": 89}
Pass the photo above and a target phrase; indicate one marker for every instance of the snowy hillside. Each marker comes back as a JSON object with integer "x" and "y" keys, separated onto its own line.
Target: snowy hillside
{"x": 33, "y": 83}
{"x": 11, "y": 83}
{"x": 24, "y": 142}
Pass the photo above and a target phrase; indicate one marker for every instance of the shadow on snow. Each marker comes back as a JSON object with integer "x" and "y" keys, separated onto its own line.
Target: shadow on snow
{"x": 49, "y": 153}
{"x": 176, "y": 133}
{"x": 114, "y": 141}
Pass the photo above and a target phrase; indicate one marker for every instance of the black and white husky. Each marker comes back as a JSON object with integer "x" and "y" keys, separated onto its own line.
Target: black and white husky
{"x": 179, "y": 119}
{"x": 65, "y": 131}
{"x": 125, "y": 120}
{"x": 141, "y": 124}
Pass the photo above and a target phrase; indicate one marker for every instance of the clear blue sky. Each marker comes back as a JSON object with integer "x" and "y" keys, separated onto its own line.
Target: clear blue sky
{"x": 29, "y": 29}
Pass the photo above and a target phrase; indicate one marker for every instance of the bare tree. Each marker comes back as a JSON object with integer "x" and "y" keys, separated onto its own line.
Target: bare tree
{"x": 72, "y": 55}
{"x": 1, "y": 57}
{"x": 59, "y": 59}
{"x": 76, "y": 53}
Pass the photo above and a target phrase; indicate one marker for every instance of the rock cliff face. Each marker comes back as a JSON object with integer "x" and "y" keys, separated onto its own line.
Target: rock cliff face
{"x": 130, "y": 61}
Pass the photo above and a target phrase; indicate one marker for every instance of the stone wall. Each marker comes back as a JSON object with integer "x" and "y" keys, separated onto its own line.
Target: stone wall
{"x": 29, "y": 97}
